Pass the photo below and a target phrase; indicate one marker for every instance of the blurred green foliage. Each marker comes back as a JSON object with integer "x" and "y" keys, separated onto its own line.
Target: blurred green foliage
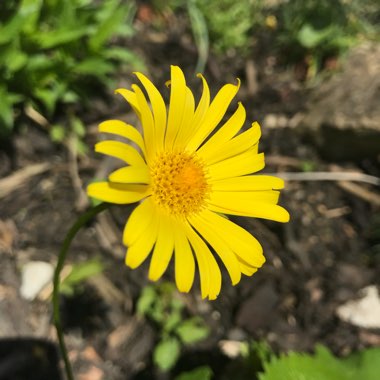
{"x": 161, "y": 304}
{"x": 80, "y": 272}
{"x": 298, "y": 30}
{"x": 319, "y": 29}
{"x": 200, "y": 373}
{"x": 228, "y": 24}
{"x": 231, "y": 23}
{"x": 57, "y": 52}
{"x": 323, "y": 365}
{"x": 200, "y": 33}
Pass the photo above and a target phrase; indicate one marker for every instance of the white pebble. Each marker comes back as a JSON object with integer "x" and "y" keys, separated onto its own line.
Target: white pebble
{"x": 364, "y": 312}
{"x": 34, "y": 277}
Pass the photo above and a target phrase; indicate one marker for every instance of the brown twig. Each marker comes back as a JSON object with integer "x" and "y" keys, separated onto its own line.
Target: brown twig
{"x": 360, "y": 192}
{"x": 344, "y": 180}
{"x": 82, "y": 201}
{"x": 330, "y": 176}
{"x": 37, "y": 117}
{"x": 20, "y": 177}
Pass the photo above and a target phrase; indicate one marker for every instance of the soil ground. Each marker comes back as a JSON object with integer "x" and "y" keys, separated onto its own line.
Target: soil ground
{"x": 322, "y": 258}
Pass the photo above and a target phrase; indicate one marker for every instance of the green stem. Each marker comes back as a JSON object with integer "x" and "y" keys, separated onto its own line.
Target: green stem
{"x": 82, "y": 220}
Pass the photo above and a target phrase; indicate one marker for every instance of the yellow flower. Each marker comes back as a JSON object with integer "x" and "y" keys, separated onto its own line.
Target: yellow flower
{"x": 186, "y": 181}
{"x": 271, "y": 22}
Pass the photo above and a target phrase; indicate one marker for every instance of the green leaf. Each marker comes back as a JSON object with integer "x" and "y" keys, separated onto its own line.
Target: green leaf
{"x": 57, "y": 133}
{"x": 9, "y": 31}
{"x": 200, "y": 373}
{"x": 172, "y": 321}
{"x": 39, "y": 62}
{"x": 70, "y": 97}
{"x": 13, "y": 59}
{"x": 260, "y": 349}
{"x": 77, "y": 126}
{"x": 93, "y": 66}
{"x": 192, "y": 331}
{"x": 6, "y": 117}
{"x": 146, "y": 300}
{"x": 298, "y": 366}
{"x": 56, "y": 38}
{"x": 157, "y": 313}
{"x": 123, "y": 55}
{"x": 323, "y": 365}
{"x": 309, "y": 37}
{"x": 79, "y": 273}
{"x": 115, "y": 19}
{"x": 166, "y": 353}
{"x": 365, "y": 364}
{"x": 31, "y": 10}
{"x": 8, "y": 99}
{"x": 48, "y": 98}
{"x": 68, "y": 15}
{"x": 81, "y": 147}
{"x": 308, "y": 166}
{"x": 200, "y": 33}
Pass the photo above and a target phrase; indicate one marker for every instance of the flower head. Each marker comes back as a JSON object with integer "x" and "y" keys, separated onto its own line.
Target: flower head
{"x": 185, "y": 181}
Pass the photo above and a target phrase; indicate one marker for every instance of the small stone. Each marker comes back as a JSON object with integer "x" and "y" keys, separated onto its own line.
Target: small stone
{"x": 35, "y": 276}
{"x": 270, "y": 121}
{"x": 364, "y": 312}
{"x": 231, "y": 348}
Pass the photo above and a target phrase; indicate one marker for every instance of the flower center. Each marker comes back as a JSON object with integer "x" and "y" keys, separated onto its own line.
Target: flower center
{"x": 179, "y": 183}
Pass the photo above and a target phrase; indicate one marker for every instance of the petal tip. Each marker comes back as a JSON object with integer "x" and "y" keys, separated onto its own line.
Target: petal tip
{"x": 153, "y": 277}
{"x": 212, "y": 297}
{"x": 183, "y": 289}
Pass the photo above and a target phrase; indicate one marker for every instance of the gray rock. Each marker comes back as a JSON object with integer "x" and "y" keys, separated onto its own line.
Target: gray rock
{"x": 343, "y": 116}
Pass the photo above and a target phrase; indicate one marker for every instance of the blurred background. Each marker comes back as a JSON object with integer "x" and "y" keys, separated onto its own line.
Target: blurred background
{"x": 310, "y": 73}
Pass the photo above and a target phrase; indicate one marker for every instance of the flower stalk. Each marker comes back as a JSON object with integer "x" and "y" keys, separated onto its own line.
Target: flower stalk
{"x": 81, "y": 221}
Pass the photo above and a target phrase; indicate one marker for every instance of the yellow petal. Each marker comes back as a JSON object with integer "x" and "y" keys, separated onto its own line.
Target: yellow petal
{"x": 158, "y": 107}
{"x": 119, "y": 194}
{"x": 176, "y": 106}
{"x": 140, "y": 250}
{"x": 232, "y": 197}
{"x": 209, "y": 272}
{"x": 203, "y": 104}
{"x": 248, "y": 183}
{"x": 239, "y": 144}
{"x": 131, "y": 98}
{"x": 184, "y": 260}
{"x": 139, "y": 221}
{"x": 198, "y": 116}
{"x": 131, "y": 174}
{"x": 252, "y": 209}
{"x": 215, "y": 113}
{"x": 147, "y": 123}
{"x": 120, "y": 150}
{"x": 246, "y": 163}
{"x": 163, "y": 250}
{"x": 184, "y": 129}
{"x": 242, "y": 243}
{"x": 210, "y": 235}
{"x": 228, "y": 130}
{"x": 118, "y": 127}
{"x": 247, "y": 269}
